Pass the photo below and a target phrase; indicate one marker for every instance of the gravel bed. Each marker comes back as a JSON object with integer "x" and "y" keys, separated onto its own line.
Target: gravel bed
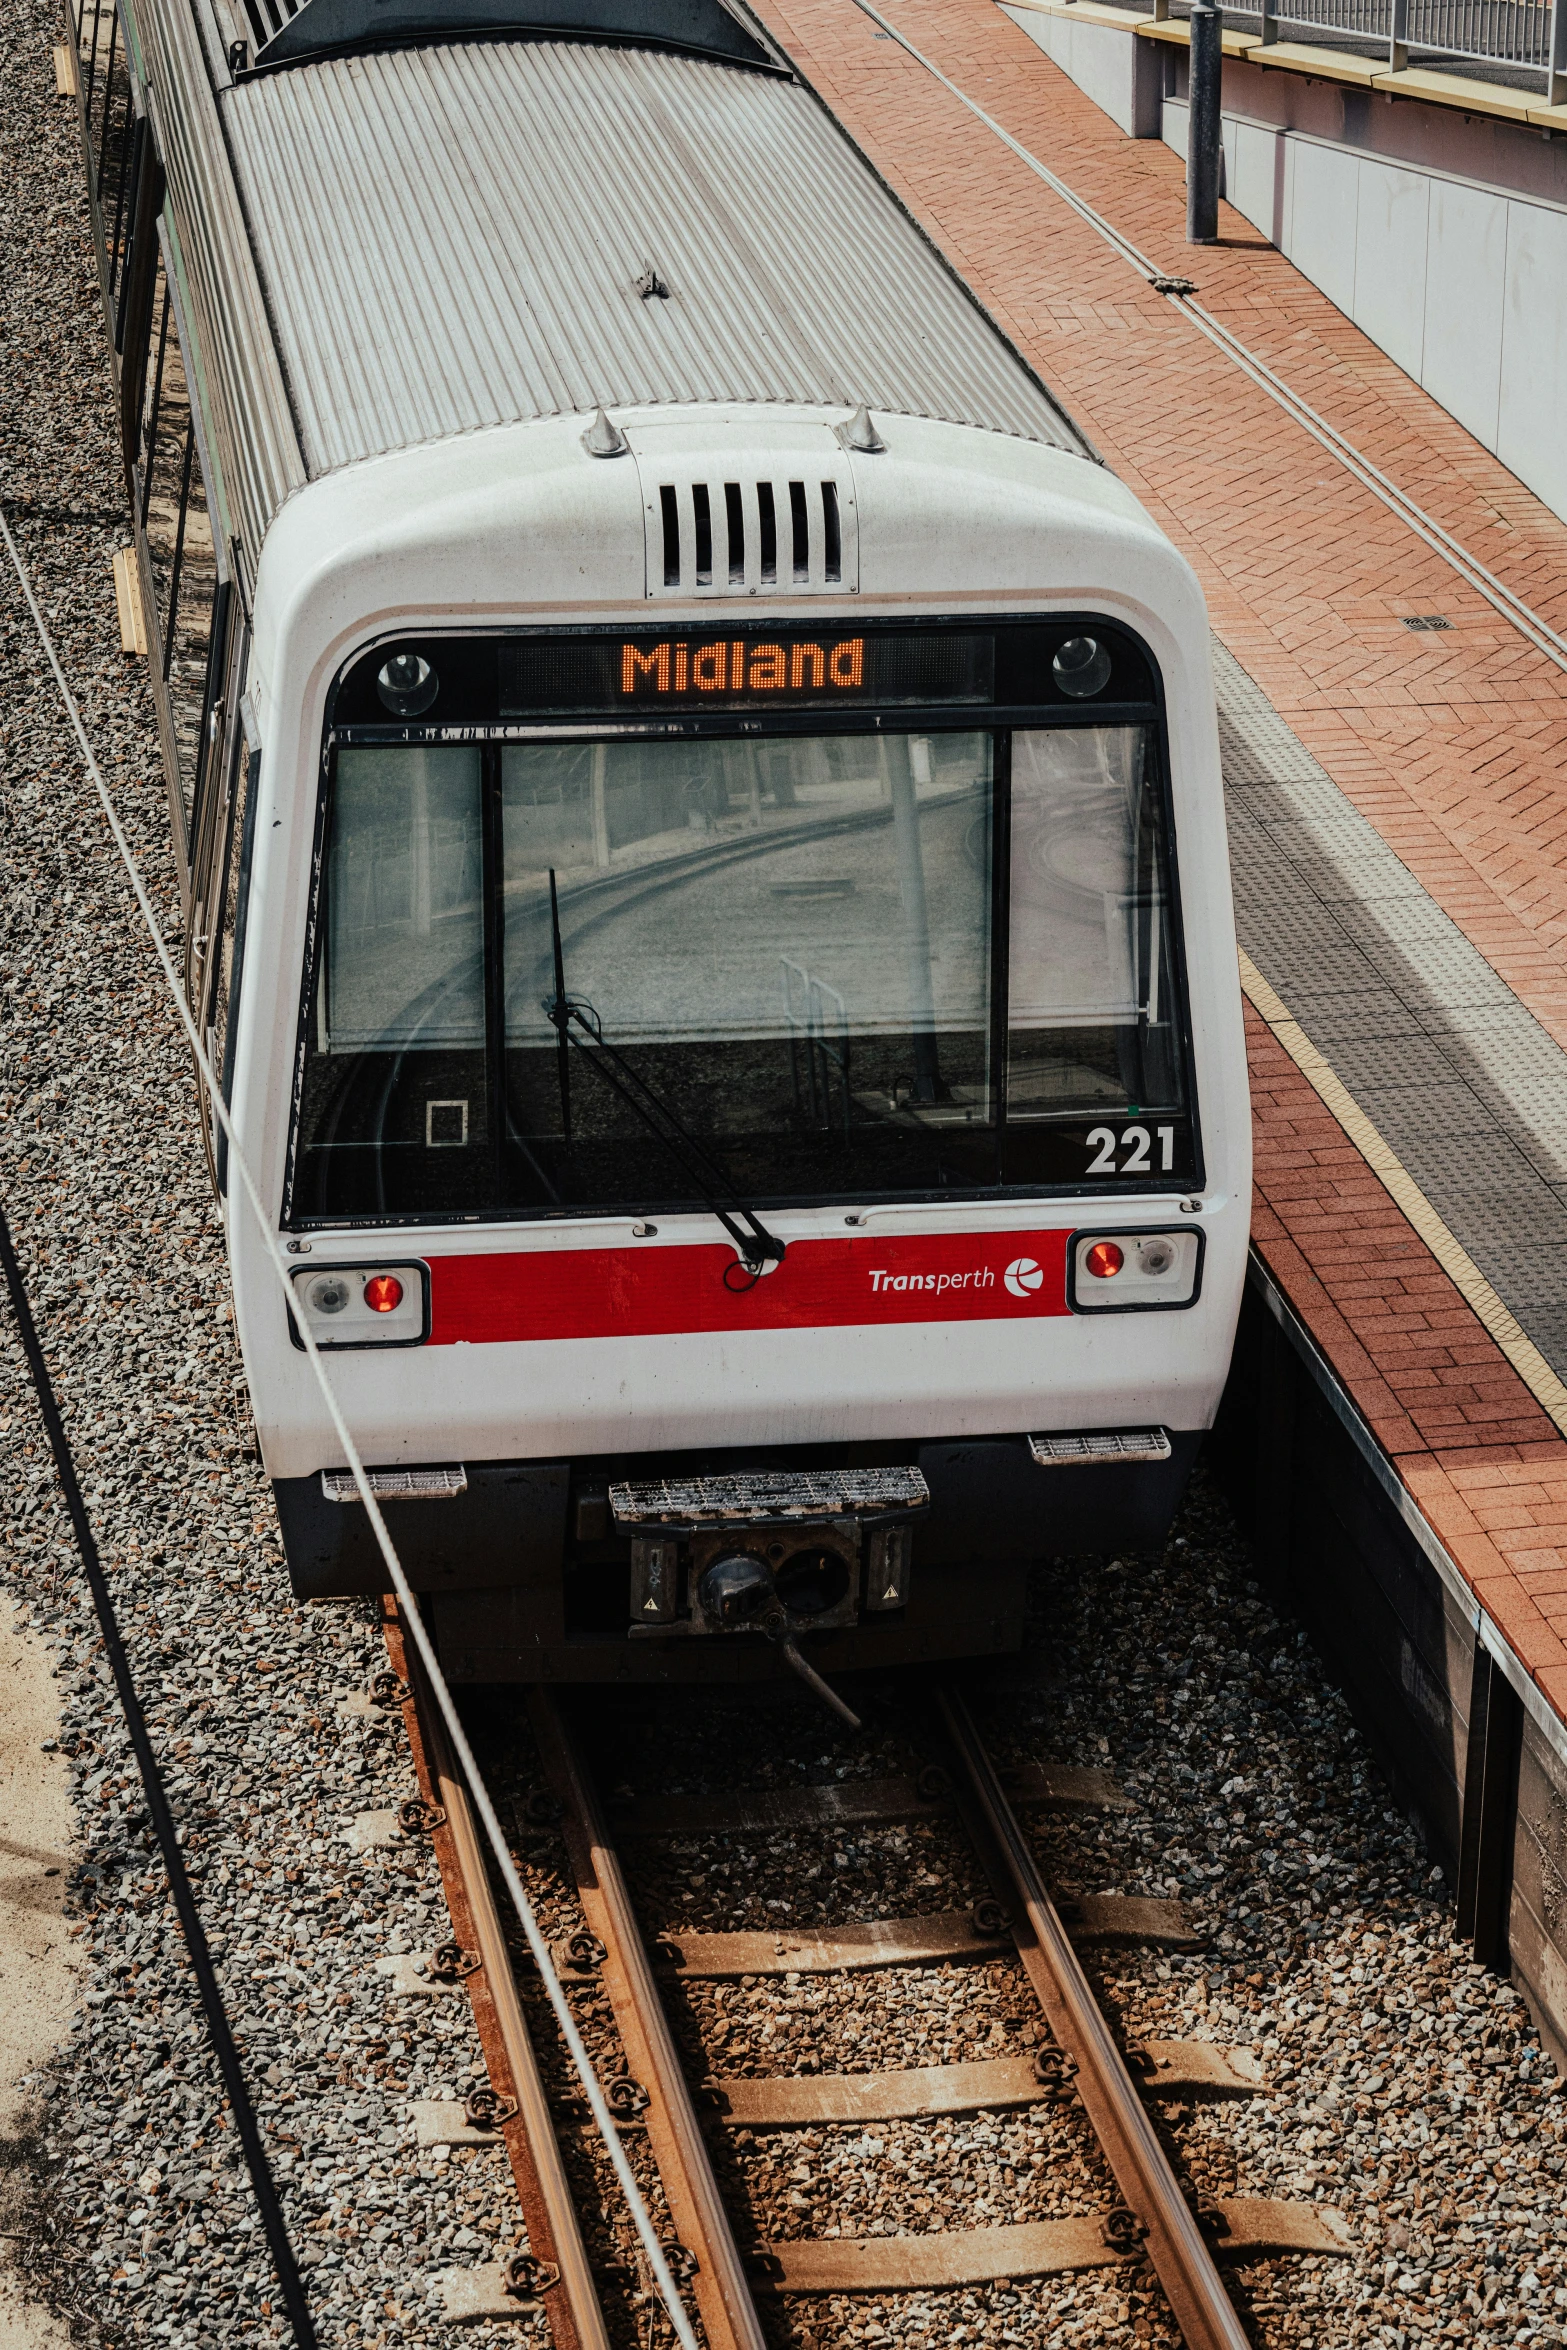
{"x": 143, "y": 2226}
{"x": 1406, "y": 2087}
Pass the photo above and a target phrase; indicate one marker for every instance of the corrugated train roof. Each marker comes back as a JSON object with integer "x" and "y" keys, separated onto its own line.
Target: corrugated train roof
{"x": 450, "y": 238}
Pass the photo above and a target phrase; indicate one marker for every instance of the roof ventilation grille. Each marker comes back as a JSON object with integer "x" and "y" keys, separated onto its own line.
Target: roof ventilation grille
{"x": 267, "y": 17}
{"x": 796, "y": 537}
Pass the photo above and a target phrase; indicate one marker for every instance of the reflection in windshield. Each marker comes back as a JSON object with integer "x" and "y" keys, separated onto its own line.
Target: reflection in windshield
{"x": 405, "y": 921}
{"x": 789, "y": 939}
{"x": 1090, "y": 1005}
{"x": 794, "y": 936}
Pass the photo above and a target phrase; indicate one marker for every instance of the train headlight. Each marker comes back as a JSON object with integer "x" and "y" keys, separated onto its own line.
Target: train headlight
{"x": 1133, "y": 1272}
{"x": 362, "y": 1305}
{"x": 408, "y": 685}
{"x": 1081, "y": 667}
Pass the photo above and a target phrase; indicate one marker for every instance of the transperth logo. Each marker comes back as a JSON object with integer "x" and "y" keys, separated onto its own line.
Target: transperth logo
{"x": 1023, "y": 1277}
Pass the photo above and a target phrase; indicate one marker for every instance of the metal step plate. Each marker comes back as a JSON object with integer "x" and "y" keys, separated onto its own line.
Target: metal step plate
{"x": 768, "y": 1497}
{"x": 1101, "y": 1446}
{"x": 397, "y": 1484}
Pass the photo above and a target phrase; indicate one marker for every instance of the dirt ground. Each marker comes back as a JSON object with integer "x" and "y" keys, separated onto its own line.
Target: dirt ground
{"x": 38, "y": 1985}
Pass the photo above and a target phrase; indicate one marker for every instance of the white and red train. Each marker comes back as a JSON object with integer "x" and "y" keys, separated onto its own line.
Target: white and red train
{"x": 707, "y": 870}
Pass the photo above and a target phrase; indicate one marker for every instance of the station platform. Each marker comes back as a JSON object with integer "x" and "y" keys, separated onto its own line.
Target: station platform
{"x": 1398, "y": 822}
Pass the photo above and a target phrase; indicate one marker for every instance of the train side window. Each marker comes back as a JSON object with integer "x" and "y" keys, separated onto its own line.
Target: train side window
{"x": 206, "y": 761}
{"x": 137, "y": 293}
{"x": 209, "y": 937}
{"x": 395, "y": 1108}
{"x": 207, "y": 811}
{"x": 233, "y": 910}
{"x": 110, "y": 110}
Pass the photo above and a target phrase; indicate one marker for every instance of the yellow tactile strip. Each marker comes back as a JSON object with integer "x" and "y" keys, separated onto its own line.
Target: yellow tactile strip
{"x": 1536, "y": 1373}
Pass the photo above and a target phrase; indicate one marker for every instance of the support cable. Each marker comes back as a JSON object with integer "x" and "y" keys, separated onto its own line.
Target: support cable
{"x": 538, "y": 1945}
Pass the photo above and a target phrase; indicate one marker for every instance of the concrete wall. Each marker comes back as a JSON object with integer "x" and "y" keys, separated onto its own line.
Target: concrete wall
{"x": 1121, "y": 74}
{"x": 1444, "y": 237}
{"x": 1342, "y": 1548}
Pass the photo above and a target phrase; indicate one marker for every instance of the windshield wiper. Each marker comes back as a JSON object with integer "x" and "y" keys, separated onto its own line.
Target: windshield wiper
{"x": 578, "y": 1026}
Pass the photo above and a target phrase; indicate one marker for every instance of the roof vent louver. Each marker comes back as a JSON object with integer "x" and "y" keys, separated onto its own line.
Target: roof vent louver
{"x": 797, "y": 536}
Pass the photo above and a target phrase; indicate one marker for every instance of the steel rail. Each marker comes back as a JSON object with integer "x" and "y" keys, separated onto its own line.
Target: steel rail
{"x": 1173, "y": 2240}
{"x": 719, "y": 2283}
{"x": 576, "y": 2317}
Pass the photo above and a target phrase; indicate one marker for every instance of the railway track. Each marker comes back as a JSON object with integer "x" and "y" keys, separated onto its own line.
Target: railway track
{"x": 680, "y": 2112}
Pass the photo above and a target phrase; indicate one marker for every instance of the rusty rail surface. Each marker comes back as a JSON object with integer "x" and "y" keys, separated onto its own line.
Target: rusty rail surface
{"x": 570, "y": 2300}
{"x": 717, "y": 2280}
{"x": 1168, "y": 2227}
{"x": 1153, "y": 2222}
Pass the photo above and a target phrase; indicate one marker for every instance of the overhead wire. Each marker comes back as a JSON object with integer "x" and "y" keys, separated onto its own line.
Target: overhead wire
{"x": 1182, "y": 292}
{"x": 539, "y": 1947}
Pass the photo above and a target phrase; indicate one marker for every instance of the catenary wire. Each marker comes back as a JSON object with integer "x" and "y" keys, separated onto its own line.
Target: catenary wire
{"x": 218, "y": 2026}
{"x": 539, "y": 1947}
{"x": 1181, "y": 291}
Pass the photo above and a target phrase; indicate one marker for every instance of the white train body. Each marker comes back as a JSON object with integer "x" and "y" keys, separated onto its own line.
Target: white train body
{"x": 674, "y": 824}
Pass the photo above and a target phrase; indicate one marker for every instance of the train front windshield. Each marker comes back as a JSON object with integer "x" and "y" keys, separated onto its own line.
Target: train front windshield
{"x": 866, "y": 963}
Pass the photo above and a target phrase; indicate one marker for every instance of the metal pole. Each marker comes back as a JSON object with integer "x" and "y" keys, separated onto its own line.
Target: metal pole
{"x": 1556, "y": 68}
{"x": 1398, "y": 41}
{"x": 916, "y": 918}
{"x": 1204, "y": 148}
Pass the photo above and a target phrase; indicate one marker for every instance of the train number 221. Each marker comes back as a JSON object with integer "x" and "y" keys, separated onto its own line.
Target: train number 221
{"x": 1138, "y": 1143}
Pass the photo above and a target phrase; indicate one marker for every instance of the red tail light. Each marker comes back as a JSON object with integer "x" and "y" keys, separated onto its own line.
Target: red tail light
{"x": 1104, "y": 1259}
{"x": 384, "y": 1292}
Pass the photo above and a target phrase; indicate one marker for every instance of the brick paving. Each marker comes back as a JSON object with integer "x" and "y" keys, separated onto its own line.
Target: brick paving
{"x": 1454, "y": 745}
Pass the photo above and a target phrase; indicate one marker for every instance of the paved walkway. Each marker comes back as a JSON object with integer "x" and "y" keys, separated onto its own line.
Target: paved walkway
{"x": 1307, "y": 574}
{"x": 1398, "y": 800}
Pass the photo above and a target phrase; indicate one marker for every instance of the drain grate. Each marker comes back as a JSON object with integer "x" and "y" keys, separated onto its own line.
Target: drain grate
{"x": 1424, "y": 620}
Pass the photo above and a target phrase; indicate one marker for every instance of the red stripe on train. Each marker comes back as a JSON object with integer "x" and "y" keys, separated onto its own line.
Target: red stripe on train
{"x": 821, "y": 1284}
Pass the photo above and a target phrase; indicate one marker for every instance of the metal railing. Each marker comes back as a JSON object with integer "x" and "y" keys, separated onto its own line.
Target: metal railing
{"x": 1528, "y": 34}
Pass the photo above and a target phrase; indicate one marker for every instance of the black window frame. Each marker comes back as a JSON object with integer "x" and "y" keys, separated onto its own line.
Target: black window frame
{"x": 999, "y": 721}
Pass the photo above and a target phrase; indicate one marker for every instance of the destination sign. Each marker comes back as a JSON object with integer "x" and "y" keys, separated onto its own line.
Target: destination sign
{"x": 820, "y": 670}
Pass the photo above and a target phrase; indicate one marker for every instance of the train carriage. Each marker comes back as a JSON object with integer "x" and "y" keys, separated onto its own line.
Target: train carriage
{"x": 699, "y": 803}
